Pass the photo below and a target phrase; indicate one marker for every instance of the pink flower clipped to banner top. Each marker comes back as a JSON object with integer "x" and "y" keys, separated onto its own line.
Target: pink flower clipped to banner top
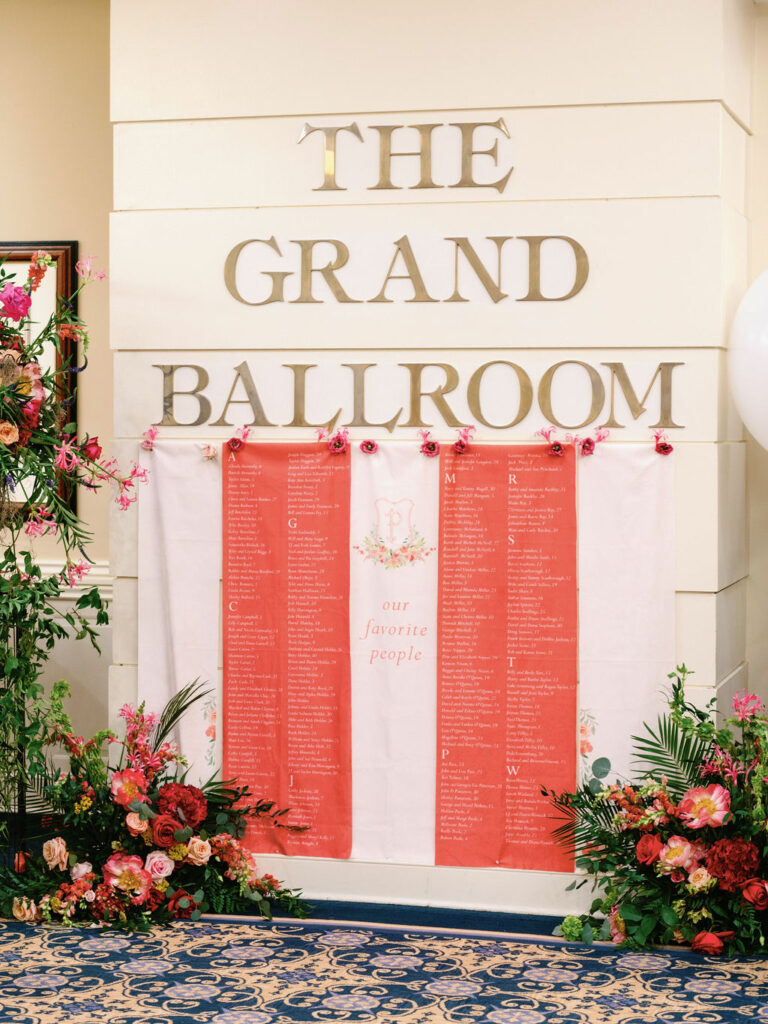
{"x": 150, "y": 436}
{"x": 462, "y": 443}
{"x": 369, "y": 447}
{"x": 705, "y": 805}
{"x": 663, "y": 447}
{"x": 746, "y": 706}
{"x": 428, "y": 447}
{"x": 14, "y": 302}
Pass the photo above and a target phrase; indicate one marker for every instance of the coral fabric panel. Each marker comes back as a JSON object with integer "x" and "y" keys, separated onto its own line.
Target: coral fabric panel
{"x": 286, "y": 640}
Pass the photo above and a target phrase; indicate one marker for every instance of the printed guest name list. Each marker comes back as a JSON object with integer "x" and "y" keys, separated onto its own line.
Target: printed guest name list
{"x": 507, "y": 654}
{"x": 286, "y": 640}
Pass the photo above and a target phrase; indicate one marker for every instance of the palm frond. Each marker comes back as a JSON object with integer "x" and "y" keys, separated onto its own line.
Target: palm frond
{"x": 584, "y": 820}
{"x": 176, "y": 707}
{"x": 671, "y": 752}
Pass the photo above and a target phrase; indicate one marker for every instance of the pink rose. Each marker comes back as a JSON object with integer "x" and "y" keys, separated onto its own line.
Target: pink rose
{"x": 198, "y": 851}
{"x": 55, "y": 854}
{"x": 159, "y": 865}
{"x": 15, "y": 302}
{"x": 135, "y": 823}
{"x": 83, "y": 868}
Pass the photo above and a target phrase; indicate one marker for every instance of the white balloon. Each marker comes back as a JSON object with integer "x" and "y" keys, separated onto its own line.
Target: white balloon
{"x": 748, "y": 359}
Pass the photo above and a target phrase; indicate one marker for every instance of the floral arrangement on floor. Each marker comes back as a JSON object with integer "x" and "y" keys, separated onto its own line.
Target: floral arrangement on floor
{"x": 135, "y": 844}
{"x": 681, "y": 854}
{"x": 43, "y": 463}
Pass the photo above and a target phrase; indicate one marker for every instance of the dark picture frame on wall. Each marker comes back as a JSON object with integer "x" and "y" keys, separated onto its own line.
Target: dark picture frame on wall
{"x": 66, "y": 254}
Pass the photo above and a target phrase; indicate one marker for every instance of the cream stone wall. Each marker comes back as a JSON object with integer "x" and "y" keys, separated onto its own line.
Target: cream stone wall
{"x": 630, "y": 130}
{"x": 55, "y": 184}
{"x": 757, "y": 457}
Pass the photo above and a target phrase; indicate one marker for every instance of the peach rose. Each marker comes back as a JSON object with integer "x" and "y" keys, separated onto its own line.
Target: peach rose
{"x": 55, "y": 854}
{"x": 198, "y": 851}
{"x": 9, "y": 432}
{"x": 135, "y": 823}
{"x": 24, "y": 909}
{"x": 700, "y": 878}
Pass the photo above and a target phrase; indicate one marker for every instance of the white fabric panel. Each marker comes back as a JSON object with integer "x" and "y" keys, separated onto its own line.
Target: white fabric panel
{"x": 395, "y": 496}
{"x": 626, "y": 595}
{"x": 179, "y": 572}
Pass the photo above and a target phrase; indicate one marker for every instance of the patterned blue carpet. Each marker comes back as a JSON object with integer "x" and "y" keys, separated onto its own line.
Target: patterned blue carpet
{"x": 236, "y": 972}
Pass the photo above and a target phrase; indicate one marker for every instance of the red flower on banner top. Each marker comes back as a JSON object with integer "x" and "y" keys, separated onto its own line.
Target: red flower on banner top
{"x": 369, "y": 447}
{"x": 338, "y": 442}
{"x": 587, "y": 445}
{"x": 555, "y": 447}
{"x": 241, "y": 436}
{"x": 462, "y": 443}
{"x": 428, "y": 447}
{"x": 663, "y": 447}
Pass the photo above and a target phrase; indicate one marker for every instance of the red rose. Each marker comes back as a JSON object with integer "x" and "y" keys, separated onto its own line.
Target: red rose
{"x": 665, "y": 448}
{"x": 181, "y": 911}
{"x": 707, "y": 943}
{"x": 164, "y": 829}
{"x": 92, "y": 449}
{"x": 556, "y": 448}
{"x": 154, "y": 899}
{"x": 587, "y": 446}
{"x": 234, "y": 444}
{"x": 755, "y": 892}
{"x": 649, "y": 848}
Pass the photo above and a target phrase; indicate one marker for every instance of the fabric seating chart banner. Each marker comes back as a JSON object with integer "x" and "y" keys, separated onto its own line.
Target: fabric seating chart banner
{"x": 401, "y": 659}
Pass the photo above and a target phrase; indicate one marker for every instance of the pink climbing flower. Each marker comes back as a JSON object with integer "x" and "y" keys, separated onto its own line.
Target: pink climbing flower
{"x": 67, "y": 457}
{"x": 74, "y": 572}
{"x": 746, "y": 706}
{"x": 84, "y": 269}
{"x": 40, "y": 522}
